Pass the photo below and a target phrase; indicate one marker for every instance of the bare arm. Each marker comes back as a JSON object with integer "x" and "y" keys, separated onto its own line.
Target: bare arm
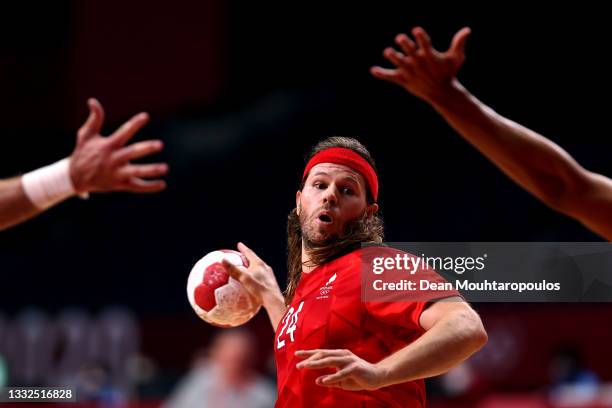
{"x": 97, "y": 164}
{"x": 274, "y": 303}
{"x": 454, "y": 332}
{"x": 15, "y": 207}
{"x": 531, "y": 160}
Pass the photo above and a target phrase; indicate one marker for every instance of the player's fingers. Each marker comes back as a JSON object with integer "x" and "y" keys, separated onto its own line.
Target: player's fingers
{"x": 245, "y": 261}
{"x": 306, "y": 353}
{"x": 422, "y": 39}
{"x": 93, "y": 124}
{"x": 405, "y": 43}
{"x": 136, "y": 151}
{"x": 325, "y": 362}
{"x": 391, "y": 75}
{"x": 311, "y": 355}
{"x": 241, "y": 274}
{"x": 137, "y": 185}
{"x": 249, "y": 254}
{"x": 318, "y": 353}
{"x": 457, "y": 48}
{"x": 316, "y": 356}
{"x": 129, "y": 129}
{"x": 233, "y": 270}
{"x": 143, "y": 170}
{"x": 394, "y": 57}
{"x": 335, "y": 378}
{"x": 401, "y": 61}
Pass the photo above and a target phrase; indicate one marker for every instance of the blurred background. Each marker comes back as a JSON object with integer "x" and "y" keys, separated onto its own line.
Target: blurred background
{"x": 92, "y": 293}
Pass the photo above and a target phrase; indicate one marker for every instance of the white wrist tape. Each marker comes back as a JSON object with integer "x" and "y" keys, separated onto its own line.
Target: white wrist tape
{"x": 48, "y": 185}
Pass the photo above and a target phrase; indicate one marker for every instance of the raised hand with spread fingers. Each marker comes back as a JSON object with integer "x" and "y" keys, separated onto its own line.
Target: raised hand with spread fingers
{"x": 534, "y": 162}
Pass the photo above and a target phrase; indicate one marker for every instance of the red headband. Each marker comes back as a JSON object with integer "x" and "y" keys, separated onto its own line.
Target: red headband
{"x": 348, "y": 158}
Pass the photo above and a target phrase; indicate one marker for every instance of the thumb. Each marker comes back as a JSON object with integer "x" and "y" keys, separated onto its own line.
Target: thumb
{"x": 93, "y": 124}
{"x": 457, "y": 48}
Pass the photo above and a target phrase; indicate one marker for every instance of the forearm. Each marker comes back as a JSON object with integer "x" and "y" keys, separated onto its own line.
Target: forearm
{"x": 22, "y": 198}
{"x": 274, "y": 303}
{"x": 450, "y": 341}
{"x": 15, "y": 207}
{"x": 531, "y": 160}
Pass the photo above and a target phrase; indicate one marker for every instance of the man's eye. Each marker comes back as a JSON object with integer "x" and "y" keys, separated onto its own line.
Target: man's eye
{"x": 347, "y": 191}
{"x": 320, "y": 185}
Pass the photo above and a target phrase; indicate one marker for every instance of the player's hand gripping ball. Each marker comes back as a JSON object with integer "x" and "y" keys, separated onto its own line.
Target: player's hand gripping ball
{"x": 215, "y": 296}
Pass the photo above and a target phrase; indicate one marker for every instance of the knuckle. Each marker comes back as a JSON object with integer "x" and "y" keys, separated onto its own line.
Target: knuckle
{"x": 106, "y": 144}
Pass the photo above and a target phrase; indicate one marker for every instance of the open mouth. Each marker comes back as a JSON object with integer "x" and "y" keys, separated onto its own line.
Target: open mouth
{"x": 325, "y": 218}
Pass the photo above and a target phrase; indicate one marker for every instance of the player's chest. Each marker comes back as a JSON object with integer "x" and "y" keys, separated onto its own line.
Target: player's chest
{"x": 323, "y": 314}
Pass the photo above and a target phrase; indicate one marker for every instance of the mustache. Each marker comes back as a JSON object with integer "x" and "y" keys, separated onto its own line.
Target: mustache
{"x": 304, "y": 218}
{"x": 315, "y": 213}
{"x": 350, "y": 236}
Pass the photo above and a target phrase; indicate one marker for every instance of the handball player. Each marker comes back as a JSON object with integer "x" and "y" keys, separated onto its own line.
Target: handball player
{"x": 332, "y": 347}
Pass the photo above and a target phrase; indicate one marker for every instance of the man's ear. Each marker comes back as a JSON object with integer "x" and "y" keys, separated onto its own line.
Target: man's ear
{"x": 371, "y": 210}
{"x": 298, "y": 195}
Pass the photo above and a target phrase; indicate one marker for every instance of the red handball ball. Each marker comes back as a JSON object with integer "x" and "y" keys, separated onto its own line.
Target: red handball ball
{"x": 216, "y": 297}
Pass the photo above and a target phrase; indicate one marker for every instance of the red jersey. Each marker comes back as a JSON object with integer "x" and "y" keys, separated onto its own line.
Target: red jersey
{"x": 327, "y": 312}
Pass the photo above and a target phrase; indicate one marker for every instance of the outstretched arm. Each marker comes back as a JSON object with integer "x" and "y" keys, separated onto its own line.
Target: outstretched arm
{"x": 533, "y": 161}
{"x": 97, "y": 164}
{"x": 15, "y": 207}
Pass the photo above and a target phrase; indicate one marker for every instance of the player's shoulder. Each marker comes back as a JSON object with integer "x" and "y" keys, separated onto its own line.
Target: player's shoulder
{"x": 361, "y": 257}
{"x": 371, "y": 251}
{"x": 366, "y": 254}
{"x": 356, "y": 254}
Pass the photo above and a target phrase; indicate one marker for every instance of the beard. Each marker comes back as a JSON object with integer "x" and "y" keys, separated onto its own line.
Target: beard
{"x": 313, "y": 237}
{"x": 319, "y": 239}
{"x": 323, "y": 248}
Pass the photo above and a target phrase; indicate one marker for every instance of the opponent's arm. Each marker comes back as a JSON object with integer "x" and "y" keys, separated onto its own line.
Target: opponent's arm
{"x": 534, "y": 162}
{"x": 258, "y": 278}
{"x": 15, "y": 207}
{"x": 97, "y": 164}
{"x": 453, "y": 333}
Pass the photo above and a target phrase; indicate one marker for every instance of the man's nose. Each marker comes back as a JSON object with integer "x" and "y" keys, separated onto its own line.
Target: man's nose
{"x": 331, "y": 195}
